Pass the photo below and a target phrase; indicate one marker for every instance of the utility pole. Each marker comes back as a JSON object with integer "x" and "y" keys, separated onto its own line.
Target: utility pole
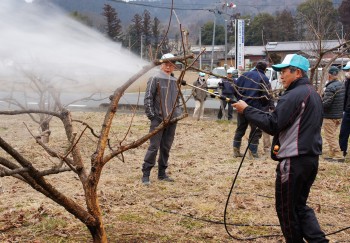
{"x": 226, "y": 6}
{"x": 225, "y": 42}
{"x": 200, "y": 47}
{"x": 141, "y": 47}
{"x": 213, "y": 44}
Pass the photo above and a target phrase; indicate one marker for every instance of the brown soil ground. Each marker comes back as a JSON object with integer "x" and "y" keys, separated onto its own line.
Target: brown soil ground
{"x": 189, "y": 210}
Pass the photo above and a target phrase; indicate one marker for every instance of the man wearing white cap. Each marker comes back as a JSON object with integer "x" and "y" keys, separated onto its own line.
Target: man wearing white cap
{"x": 199, "y": 96}
{"x": 161, "y": 99}
{"x": 345, "y": 125}
{"x": 227, "y": 90}
{"x": 296, "y": 126}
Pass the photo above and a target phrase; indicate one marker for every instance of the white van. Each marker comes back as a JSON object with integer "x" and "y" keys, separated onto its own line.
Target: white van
{"x": 213, "y": 81}
{"x": 274, "y": 78}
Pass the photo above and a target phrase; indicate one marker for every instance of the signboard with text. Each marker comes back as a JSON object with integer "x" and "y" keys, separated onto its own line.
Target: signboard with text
{"x": 239, "y": 54}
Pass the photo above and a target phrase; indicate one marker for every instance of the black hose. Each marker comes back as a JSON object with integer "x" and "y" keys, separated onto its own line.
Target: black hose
{"x": 229, "y": 196}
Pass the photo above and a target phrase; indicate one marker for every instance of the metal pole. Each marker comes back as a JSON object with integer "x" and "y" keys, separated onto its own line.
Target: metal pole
{"x": 225, "y": 42}
{"x": 225, "y": 34}
{"x": 212, "y": 50}
{"x": 141, "y": 46}
{"x": 236, "y": 44}
{"x": 200, "y": 47}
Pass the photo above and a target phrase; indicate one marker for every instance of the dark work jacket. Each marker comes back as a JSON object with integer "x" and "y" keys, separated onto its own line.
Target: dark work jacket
{"x": 347, "y": 96}
{"x": 161, "y": 97}
{"x": 333, "y": 100}
{"x": 226, "y": 87}
{"x": 257, "y": 84}
{"x": 295, "y": 123}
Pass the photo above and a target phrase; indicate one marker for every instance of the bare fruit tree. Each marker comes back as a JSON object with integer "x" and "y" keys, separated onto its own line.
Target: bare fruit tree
{"x": 317, "y": 21}
{"x": 38, "y": 88}
{"x": 23, "y": 167}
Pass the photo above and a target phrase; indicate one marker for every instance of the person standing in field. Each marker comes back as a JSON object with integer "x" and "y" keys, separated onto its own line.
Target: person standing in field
{"x": 252, "y": 86}
{"x": 333, "y": 101}
{"x": 345, "y": 125}
{"x": 227, "y": 90}
{"x": 297, "y": 144}
{"x": 199, "y": 96}
{"x": 161, "y": 101}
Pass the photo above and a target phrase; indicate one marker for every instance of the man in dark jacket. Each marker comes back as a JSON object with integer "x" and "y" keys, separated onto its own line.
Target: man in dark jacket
{"x": 296, "y": 125}
{"x": 252, "y": 86}
{"x": 161, "y": 99}
{"x": 226, "y": 86}
{"x": 345, "y": 125}
{"x": 333, "y": 101}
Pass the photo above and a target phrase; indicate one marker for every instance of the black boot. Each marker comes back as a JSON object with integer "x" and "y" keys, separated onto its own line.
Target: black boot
{"x": 162, "y": 176}
{"x": 145, "y": 177}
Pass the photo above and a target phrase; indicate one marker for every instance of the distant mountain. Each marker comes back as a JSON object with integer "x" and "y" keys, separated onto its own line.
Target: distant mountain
{"x": 191, "y": 13}
{"x": 127, "y": 9}
{"x": 192, "y": 9}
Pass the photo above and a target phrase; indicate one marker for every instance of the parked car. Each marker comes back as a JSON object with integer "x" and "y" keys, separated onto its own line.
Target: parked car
{"x": 213, "y": 81}
{"x": 274, "y": 78}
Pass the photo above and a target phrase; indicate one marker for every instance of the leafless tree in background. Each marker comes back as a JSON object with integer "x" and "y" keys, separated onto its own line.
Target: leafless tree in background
{"x": 25, "y": 168}
{"x": 318, "y": 21}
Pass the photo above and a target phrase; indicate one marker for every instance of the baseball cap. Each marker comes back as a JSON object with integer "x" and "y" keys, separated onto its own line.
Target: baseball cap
{"x": 230, "y": 70}
{"x": 333, "y": 71}
{"x": 167, "y": 56}
{"x": 294, "y": 60}
{"x": 201, "y": 74}
{"x": 347, "y": 67}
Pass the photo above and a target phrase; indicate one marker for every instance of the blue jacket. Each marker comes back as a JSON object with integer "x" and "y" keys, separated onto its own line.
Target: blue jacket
{"x": 296, "y": 121}
{"x": 226, "y": 86}
{"x": 253, "y": 84}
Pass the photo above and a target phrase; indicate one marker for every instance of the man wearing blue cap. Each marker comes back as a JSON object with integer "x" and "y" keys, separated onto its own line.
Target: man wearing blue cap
{"x": 345, "y": 125}
{"x": 296, "y": 126}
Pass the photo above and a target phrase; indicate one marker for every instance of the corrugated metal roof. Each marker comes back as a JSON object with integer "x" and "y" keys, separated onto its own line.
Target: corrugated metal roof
{"x": 250, "y": 51}
{"x": 286, "y": 46}
{"x": 196, "y": 49}
{"x": 300, "y": 45}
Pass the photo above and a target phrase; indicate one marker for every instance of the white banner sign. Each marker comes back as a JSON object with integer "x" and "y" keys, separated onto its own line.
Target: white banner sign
{"x": 240, "y": 44}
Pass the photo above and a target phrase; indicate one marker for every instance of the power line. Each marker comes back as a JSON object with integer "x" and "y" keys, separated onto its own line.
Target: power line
{"x": 183, "y": 8}
{"x": 159, "y": 6}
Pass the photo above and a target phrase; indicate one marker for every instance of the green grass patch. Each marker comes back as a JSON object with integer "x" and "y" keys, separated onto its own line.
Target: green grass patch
{"x": 130, "y": 217}
{"x": 49, "y": 224}
{"x": 190, "y": 224}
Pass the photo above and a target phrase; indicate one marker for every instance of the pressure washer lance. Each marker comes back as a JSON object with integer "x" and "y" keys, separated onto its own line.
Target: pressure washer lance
{"x": 221, "y": 97}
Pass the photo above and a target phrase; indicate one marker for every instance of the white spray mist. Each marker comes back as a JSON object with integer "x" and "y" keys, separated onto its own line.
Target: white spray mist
{"x": 40, "y": 39}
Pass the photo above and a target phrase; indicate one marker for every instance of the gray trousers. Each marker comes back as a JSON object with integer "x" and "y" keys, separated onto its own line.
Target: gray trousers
{"x": 161, "y": 141}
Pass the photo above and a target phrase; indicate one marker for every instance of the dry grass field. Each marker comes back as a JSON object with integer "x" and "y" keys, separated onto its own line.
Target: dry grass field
{"x": 189, "y": 210}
